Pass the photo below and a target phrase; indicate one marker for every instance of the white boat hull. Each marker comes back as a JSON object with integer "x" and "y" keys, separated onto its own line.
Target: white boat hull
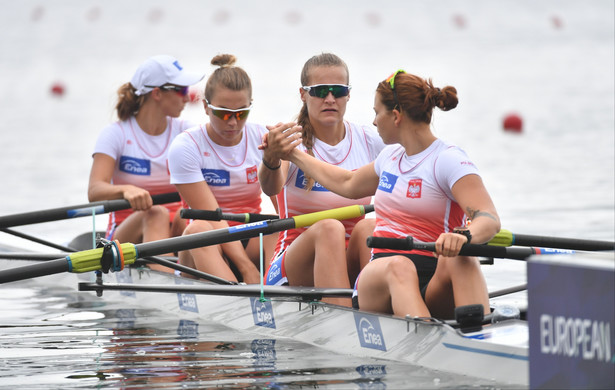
{"x": 497, "y": 353}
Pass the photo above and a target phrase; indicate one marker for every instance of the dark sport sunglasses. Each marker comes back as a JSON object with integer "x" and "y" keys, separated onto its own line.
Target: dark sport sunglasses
{"x": 322, "y": 90}
{"x": 226, "y": 113}
{"x": 183, "y": 91}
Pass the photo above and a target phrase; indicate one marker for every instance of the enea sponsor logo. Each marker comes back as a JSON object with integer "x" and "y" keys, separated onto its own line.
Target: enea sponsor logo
{"x": 217, "y": 177}
{"x": 262, "y": 312}
{"x": 187, "y": 329}
{"x": 125, "y": 318}
{"x": 124, "y": 277}
{"x": 85, "y": 211}
{"x": 372, "y": 370}
{"x": 369, "y": 332}
{"x": 187, "y": 301}
{"x": 274, "y": 273}
{"x": 387, "y": 182}
{"x": 301, "y": 182}
{"x": 264, "y": 349}
{"x": 135, "y": 166}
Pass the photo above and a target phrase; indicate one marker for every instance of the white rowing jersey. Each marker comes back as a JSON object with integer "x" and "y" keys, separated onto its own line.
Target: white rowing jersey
{"x": 360, "y": 146}
{"x": 140, "y": 159}
{"x": 414, "y": 196}
{"x": 230, "y": 171}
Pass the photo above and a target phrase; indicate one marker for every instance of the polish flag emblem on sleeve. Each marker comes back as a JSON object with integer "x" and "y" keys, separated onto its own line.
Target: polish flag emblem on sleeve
{"x": 414, "y": 188}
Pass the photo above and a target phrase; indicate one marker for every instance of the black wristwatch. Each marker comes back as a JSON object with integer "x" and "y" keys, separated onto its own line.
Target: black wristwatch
{"x": 465, "y": 232}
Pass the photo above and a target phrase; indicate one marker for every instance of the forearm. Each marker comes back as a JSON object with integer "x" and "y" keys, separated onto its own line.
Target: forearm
{"x": 484, "y": 226}
{"x": 237, "y": 255}
{"x": 336, "y": 179}
{"x": 105, "y": 191}
{"x": 272, "y": 180}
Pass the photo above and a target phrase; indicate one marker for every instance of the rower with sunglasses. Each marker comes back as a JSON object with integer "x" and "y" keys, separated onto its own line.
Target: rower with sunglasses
{"x": 214, "y": 165}
{"x": 426, "y": 188}
{"x": 130, "y": 156}
{"x": 317, "y": 255}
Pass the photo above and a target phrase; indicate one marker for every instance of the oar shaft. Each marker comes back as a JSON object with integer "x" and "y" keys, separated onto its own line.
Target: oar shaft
{"x": 90, "y": 260}
{"x": 105, "y": 206}
{"x": 213, "y": 237}
{"x": 37, "y": 240}
{"x": 307, "y": 293}
{"x": 33, "y": 271}
{"x": 240, "y": 232}
{"x": 508, "y": 238}
{"x": 563, "y": 243}
{"x": 218, "y": 215}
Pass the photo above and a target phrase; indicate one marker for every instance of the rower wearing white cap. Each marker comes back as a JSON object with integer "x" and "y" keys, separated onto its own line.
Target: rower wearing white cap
{"x": 130, "y": 156}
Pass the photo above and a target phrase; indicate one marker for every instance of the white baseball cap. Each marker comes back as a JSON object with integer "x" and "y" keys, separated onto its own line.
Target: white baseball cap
{"x": 159, "y": 70}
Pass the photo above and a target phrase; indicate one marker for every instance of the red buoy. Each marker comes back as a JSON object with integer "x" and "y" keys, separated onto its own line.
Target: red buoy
{"x": 57, "y": 89}
{"x": 513, "y": 123}
{"x": 459, "y": 21}
{"x": 194, "y": 95}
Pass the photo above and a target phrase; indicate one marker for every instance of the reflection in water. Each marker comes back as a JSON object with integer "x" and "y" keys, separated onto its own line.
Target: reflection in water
{"x": 81, "y": 341}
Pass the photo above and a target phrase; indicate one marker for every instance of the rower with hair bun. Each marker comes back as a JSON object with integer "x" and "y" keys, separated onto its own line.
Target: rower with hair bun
{"x": 424, "y": 188}
{"x": 130, "y": 156}
{"x": 214, "y": 165}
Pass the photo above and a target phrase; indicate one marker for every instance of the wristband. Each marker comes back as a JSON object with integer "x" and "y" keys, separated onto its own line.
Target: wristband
{"x": 272, "y": 168}
{"x": 464, "y": 231}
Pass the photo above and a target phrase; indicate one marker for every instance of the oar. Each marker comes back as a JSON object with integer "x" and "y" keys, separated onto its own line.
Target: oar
{"x": 115, "y": 256}
{"x": 307, "y": 293}
{"x": 83, "y": 210}
{"x": 516, "y": 253}
{"x": 508, "y": 290}
{"x": 34, "y": 256}
{"x": 507, "y": 238}
{"x": 38, "y": 240}
{"x": 218, "y": 215}
{"x": 149, "y": 259}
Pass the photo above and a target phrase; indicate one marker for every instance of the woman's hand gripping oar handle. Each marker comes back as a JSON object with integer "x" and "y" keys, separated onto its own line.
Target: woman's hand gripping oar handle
{"x": 126, "y": 253}
{"x": 218, "y": 215}
{"x": 408, "y": 243}
{"x": 84, "y": 210}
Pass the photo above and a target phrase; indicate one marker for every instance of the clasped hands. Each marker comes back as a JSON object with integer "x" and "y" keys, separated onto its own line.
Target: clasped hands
{"x": 280, "y": 142}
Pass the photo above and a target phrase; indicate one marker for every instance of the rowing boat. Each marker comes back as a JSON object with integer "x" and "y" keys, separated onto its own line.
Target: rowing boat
{"x": 496, "y": 353}
{"x": 489, "y": 352}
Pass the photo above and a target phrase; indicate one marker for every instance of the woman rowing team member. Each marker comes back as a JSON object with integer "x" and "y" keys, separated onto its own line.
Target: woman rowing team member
{"x": 316, "y": 256}
{"x": 215, "y": 165}
{"x": 425, "y": 188}
{"x": 130, "y": 156}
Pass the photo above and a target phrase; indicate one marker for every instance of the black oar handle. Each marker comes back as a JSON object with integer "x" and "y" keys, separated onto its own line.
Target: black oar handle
{"x": 408, "y": 243}
{"x": 84, "y": 210}
{"x": 207, "y": 215}
{"x": 33, "y": 271}
{"x": 218, "y": 215}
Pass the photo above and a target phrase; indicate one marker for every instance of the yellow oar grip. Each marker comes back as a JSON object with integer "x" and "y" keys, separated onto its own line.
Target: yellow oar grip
{"x": 503, "y": 238}
{"x": 339, "y": 213}
{"x": 86, "y": 261}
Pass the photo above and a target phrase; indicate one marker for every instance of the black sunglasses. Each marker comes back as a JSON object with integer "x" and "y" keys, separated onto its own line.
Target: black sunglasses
{"x": 183, "y": 91}
{"x": 322, "y": 90}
